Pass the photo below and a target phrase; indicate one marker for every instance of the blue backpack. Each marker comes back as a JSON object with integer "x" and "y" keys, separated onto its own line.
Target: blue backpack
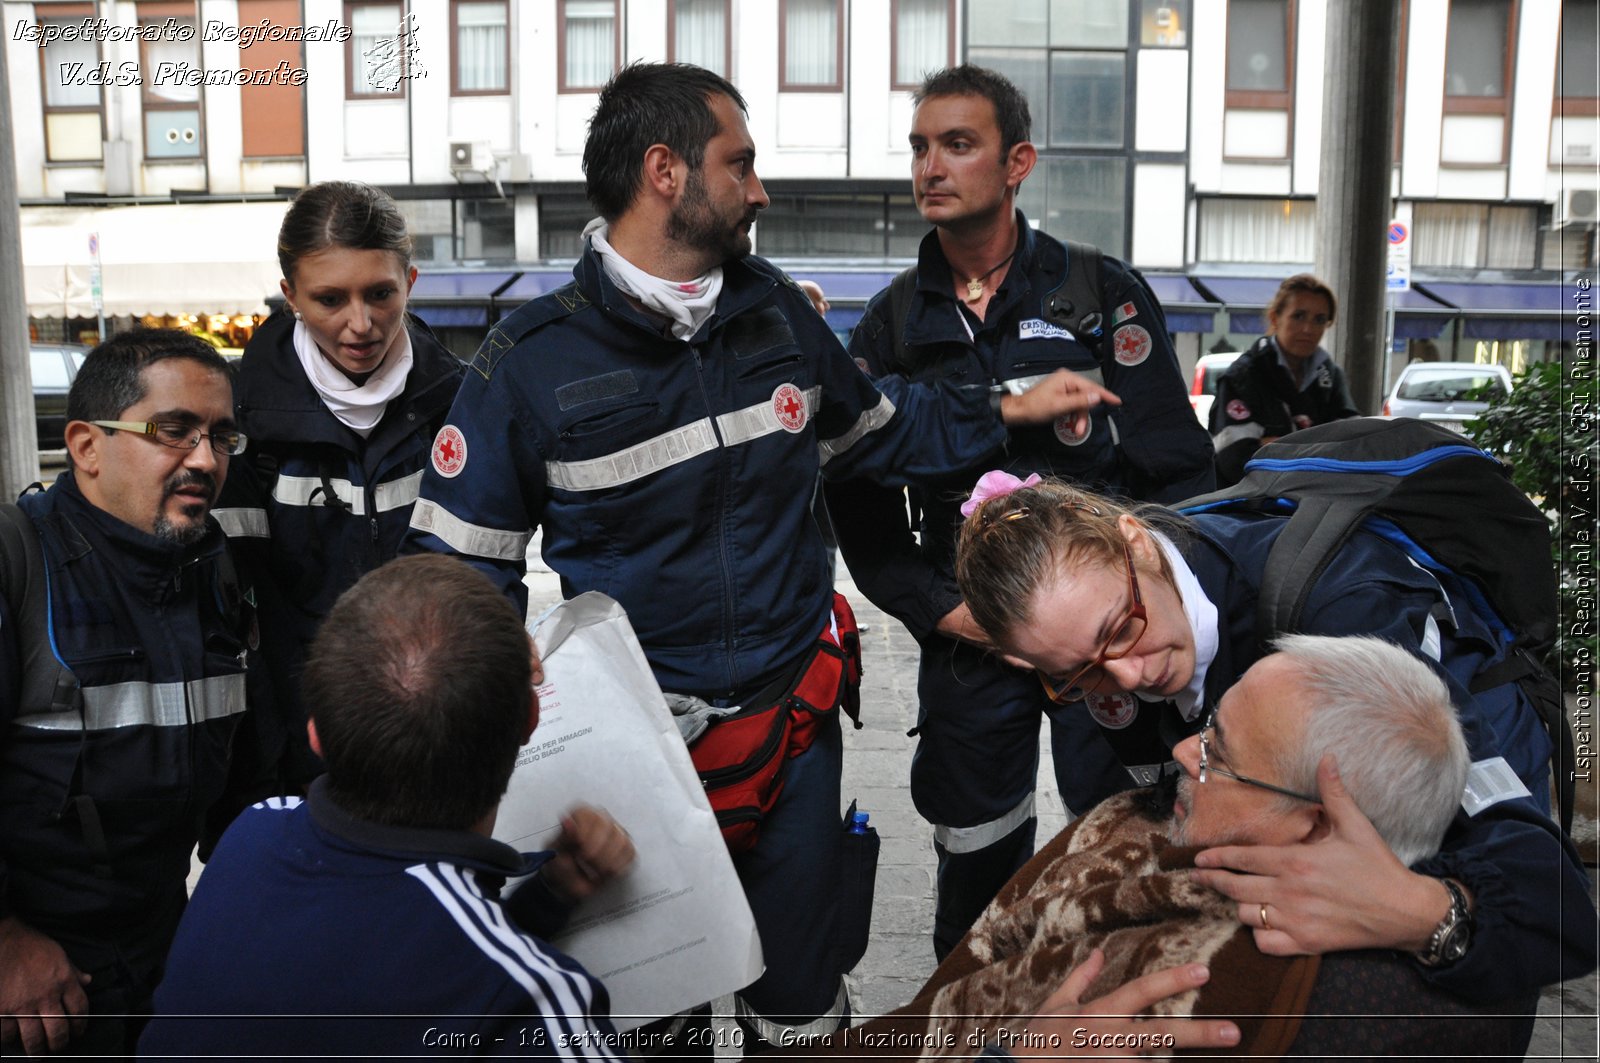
{"x": 1449, "y": 505}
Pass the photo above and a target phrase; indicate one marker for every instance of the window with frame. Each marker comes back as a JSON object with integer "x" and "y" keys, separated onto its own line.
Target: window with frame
{"x": 923, "y": 40}
{"x": 811, "y": 46}
{"x": 373, "y": 50}
{"x": 1087, "y": 90}
{"x": 587, "y": 42}
{"x": 1474, "y": 235}
{"x": 72, "y": 125}
{"x": 1260, "y": 59}
{"x": 1576, "y": 72}
{"x": 1478, "y": 55}
{"x": 480, "y": 35}
{"x": 171, "y": 104}
{"x": 697, "y": 32}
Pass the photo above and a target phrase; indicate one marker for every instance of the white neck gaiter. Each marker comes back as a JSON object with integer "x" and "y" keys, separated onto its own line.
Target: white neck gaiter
{"x": 687, "y": 304}
{"x": 359, "y": 406}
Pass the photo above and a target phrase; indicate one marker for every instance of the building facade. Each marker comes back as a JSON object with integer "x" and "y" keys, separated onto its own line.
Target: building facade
{"x": 1184, "y": 136}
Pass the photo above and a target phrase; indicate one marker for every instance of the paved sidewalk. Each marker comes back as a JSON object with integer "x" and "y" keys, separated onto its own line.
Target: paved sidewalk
{"x": 877, "y": 767}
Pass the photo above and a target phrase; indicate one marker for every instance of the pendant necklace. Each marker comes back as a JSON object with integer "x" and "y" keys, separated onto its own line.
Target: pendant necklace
{"x": 975, "y": 284}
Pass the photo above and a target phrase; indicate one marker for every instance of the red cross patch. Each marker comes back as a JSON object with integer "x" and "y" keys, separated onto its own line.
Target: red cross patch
{"x": 449, "y": 451}
{"x": 1237, "y": 410}
{"x": 1113, "y": 711}
{"x": 1073, "y": 428}
{"x": 789, "y": 406}
{"x": 1131, "y": 344}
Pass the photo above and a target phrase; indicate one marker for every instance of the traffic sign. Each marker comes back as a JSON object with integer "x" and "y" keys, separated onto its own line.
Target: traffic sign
{"x": 1399, "y": 265}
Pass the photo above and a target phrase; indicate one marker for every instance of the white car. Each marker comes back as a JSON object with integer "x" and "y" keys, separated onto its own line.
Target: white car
{"x": 1436, "y": 391}
{"x": 1207, "y": 371}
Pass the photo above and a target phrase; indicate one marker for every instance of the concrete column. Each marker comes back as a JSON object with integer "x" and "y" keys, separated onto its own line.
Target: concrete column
{"x": 19, "y": 445}
{"x": 1353, "y": 189}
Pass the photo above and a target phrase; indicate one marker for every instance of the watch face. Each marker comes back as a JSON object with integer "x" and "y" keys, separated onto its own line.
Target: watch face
{"x": 1455, "y": 943}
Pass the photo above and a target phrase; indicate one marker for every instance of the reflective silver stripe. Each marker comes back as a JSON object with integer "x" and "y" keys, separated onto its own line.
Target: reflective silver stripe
{"x": 242, "y": 523}
{"x": 154, "y": 704}
{"x": 869, "y": 421}
{"x": 636, "y": 462}
{"x": 780, "y": 1033}
{"x": 1235, "y": 432}
{"x": 298, "y": 491}
{"x": 971, "y": 839}
{"x": 397, "y": 494}
{"x": 753, "y": 422}
{"x": 1019, "y": 385}
{"x": 466, "y": 538}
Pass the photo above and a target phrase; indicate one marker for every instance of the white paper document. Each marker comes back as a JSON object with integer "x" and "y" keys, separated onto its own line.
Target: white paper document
{"x": 675, "y": 930}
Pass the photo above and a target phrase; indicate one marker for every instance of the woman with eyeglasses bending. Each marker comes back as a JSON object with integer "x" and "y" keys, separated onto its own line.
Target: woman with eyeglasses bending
{"x": 1145, "y": 618}
{"x": 1284, "y": 382}
{"x": 341, "y": 394}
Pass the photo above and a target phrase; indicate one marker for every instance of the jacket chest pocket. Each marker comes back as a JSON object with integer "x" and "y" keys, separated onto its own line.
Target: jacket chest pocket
{"x": 601, "y": 429}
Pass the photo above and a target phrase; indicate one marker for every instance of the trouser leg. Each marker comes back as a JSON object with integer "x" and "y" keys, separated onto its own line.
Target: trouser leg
{"x": 968, "y": 881}
{"x": 791, "y": 879}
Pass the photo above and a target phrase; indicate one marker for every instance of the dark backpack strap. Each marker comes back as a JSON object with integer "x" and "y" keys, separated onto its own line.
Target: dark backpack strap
{"x": 1544, "y": 691}
{"x": 1076, "y": 305}
{"x": 1299, "y": 556}
{"x": 46, "y": 683}
{"x": 901, "y": 289}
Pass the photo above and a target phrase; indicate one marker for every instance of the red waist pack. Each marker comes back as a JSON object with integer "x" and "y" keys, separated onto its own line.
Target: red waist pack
{"x": 741, "y": 758}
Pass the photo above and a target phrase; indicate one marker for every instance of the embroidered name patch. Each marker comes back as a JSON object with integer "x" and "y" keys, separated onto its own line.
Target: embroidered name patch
{"x": 449, "y": 451}
{"x": 1038, "y": 329}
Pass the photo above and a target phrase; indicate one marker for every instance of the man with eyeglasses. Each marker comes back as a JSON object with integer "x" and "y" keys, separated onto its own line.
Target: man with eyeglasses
{"x": 1315, "y": 737}
{"x": 123, "y": 648}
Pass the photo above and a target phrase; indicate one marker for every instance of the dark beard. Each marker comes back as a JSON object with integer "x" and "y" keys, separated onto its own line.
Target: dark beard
{"x": 694, "y": 224}
{"x": 191, "y": 533}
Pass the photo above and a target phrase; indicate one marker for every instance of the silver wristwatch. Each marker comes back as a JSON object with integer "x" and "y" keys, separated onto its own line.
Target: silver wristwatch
{"x": 1453, "y": 935}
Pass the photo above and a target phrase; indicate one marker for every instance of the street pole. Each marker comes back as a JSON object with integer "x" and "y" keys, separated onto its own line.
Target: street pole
{"x": 19, "y": 443}
{"x": 1353, "y": 185}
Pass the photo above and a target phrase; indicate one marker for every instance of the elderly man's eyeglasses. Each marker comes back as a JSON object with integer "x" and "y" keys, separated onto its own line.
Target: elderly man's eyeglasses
{"x": 1119, "y": 645}
{"x": 1208, "y": 764}
{"x": 180, "y": 436}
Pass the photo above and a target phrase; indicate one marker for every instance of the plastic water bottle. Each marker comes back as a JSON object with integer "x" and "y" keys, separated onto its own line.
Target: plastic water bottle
{"x": 858, "y": 823}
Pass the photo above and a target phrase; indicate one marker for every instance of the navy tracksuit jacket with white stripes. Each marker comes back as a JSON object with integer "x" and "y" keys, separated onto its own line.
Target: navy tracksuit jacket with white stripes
{"x": 377, "y": 941}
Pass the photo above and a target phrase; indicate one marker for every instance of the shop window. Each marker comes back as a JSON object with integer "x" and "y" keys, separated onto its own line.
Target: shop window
{"x": 375, "y": 52}
{"x": 906, "y": 227}
{"x": 923, "y": 41}
{"x": 697, "y": 32}
{"x": 1474, "y": 235}
{"x": 429, "y": 223}
{"x": 1258, "y": 230}
{"x": 171, "y": 98}
{"x": 587, "y": 39}
{"x": 1086, "y": 199}
{"x": 561, "y": 222}
{"x": 1086, "y": 99}
{"x": 487, "y": 230}
{"x": 72, "y": 129}
{"x": 480, "y": 35}
{"x": 811, "y": 46}
{"x": 820, "y": 224}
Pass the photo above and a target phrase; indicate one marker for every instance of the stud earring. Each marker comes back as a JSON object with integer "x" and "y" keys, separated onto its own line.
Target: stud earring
{"x": 297, "y": 316}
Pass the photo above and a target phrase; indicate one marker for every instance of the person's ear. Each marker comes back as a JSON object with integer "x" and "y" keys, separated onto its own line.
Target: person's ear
{"x": 1020, "y": 161}
{"x": 1312, "y": 824}
{"x": 84, "y": 447}
{"x": 288, "y": 295}
{"x": 311, "y": 737}
{"x": 533, "y": 715}
{"x": 1139, "y": 540}
{"x": 411, "y": 279}
{"x": 663, "y": 171}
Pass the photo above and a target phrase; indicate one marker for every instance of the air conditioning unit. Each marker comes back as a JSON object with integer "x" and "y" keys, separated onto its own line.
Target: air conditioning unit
{"x": 1579, "y": 206}
{"x": 471, "y": 156}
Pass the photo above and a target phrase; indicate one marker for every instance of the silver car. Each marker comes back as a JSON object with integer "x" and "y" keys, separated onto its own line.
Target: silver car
{"x": 1434, "y": 391}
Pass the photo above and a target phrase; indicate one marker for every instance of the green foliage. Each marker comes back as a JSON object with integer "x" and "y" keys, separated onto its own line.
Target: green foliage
{"x": 1545, "y": 430}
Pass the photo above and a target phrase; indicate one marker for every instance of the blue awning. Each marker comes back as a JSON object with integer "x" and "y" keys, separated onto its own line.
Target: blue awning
{"x": 451, "y": 316}
{"x": 847, "y": 286}
{"x": 1416, "y": 316}
{"x": 530, "y": 285}
{"x": 1185, "y": 308}
{"x": 1491, "y": 311}
{"x": 458, "y": 287}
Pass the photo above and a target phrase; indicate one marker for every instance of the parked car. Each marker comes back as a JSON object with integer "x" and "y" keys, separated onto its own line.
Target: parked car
{"x": 1207, "y": 371}
{"x": 1447, "y": 393}
{"x": 54, "y": 367}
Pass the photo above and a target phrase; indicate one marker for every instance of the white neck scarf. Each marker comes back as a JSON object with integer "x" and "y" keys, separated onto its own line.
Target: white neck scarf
{"x": 359, "y": 406}
{"x": 687, "y": 304}
{"x": 1202, "y": 617}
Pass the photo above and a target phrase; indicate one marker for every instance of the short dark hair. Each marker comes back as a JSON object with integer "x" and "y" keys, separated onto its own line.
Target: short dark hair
{"x": 1011, "y": 112}
{"x": 645, "y": 104}
{"x": 420, "y": 682}
{"x": 341, "y": 214}
{"x": 112, "y": 376}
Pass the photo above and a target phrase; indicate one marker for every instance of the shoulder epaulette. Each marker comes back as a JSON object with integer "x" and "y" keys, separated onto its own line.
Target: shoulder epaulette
{"x": 551, "y": 306}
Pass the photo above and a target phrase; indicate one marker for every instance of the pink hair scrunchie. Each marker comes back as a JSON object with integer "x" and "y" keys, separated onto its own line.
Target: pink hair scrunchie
{"x": 994, "y": 484}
